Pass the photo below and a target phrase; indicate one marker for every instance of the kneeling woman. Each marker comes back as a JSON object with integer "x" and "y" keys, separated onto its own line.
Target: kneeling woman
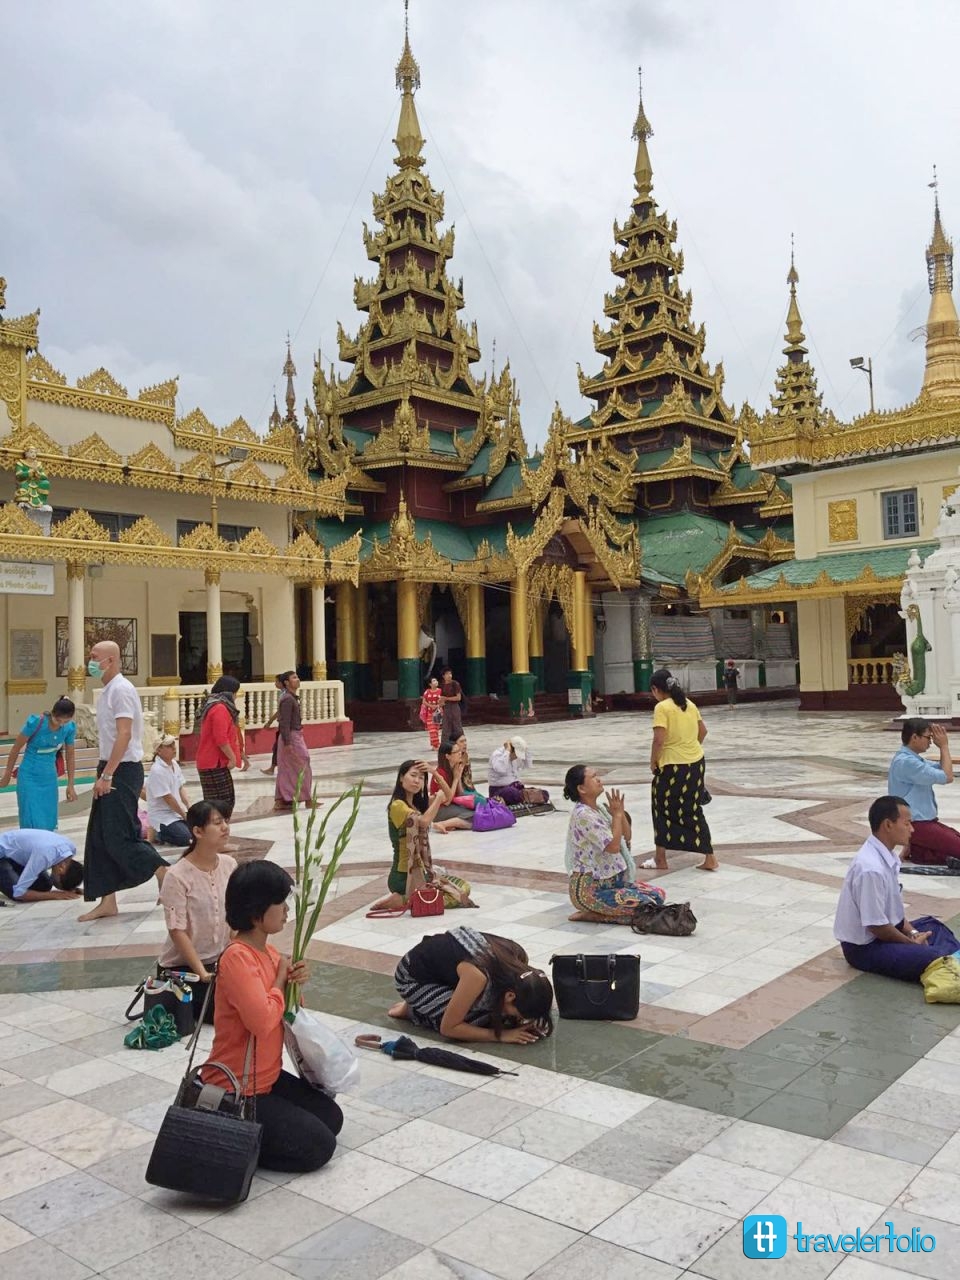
{"x": 474, "y": 986}
{"x": 193, "y": 896}
{"x": 409, "y": 816}
{"x": 603, "y": 875}
{"x": 300, "y": 1123}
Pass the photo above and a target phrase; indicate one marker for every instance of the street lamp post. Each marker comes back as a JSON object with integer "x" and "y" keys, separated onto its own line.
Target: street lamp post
{"x": 865, "y": 366}
{"x": 236, "y": 454}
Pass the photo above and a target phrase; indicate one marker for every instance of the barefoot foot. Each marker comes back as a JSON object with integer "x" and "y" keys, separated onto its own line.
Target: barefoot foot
{"x": 709, "y": 864}
{"x": 100, "y": 912}
{"x": 399, "y": 1010}
{"x": 587, "y": 917}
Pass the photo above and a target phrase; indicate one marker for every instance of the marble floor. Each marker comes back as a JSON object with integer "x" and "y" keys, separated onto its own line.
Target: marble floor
{"x": 762, "y": 1074}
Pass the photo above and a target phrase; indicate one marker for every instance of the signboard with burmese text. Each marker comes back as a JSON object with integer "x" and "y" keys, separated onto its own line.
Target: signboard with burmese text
{"x": 18, "y": 579}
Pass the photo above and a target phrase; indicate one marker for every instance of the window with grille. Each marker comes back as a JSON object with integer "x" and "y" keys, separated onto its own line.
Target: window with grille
{"x": 113, "y": 521}
{"x": 228, "y": 532}
{"x": 900, "y": 514}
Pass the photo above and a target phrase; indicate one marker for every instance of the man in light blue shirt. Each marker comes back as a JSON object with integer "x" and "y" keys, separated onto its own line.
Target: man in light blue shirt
{"x": 36, "y": 865}
{"x": 871, "y": 924}
{"x": 914, "y": 778}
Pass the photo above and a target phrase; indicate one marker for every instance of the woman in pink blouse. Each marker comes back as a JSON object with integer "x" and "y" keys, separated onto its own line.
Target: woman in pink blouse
{"x": 193, "y": 901}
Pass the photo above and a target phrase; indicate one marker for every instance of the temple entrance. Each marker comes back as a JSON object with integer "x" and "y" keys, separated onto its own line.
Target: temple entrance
{"x": 877, "y": 633}
{"x": 235, "y": 641}
{"x": 556, "y": 650}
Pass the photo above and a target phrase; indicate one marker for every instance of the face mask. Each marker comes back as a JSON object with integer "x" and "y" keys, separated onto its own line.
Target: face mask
{"x": 94, "y": 669}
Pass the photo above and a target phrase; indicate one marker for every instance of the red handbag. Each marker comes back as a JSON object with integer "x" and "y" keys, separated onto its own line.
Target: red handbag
{"x": 426, "y": 901}
{"x": 61, "y": 764}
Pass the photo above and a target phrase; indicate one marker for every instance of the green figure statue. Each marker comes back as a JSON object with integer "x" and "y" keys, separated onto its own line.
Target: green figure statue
{"x": 33, "y": 487}
{"x": 920, "y": 646}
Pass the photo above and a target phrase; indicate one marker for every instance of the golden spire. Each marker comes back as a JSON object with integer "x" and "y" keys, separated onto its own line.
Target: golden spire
{"x": 941, "y": 375}
{"x": 290, "y": 372}
{"x": 409, "y": 139}
{"x": 643, "y": 170}
{"x": 794, "y": 334}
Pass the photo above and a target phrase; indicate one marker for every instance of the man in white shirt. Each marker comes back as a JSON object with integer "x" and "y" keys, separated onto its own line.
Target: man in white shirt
{"x": 116, "y": 856}
{"x": 871, "y": 924}
{"x": 36, "y": 866}
{"x": 167, "y": 800}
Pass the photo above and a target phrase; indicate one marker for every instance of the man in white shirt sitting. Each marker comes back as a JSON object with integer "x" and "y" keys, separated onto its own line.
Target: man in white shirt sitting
{"x": 870, "y": 923}
{"x": 36, "y": 866}
{"x": 167, "y": 800}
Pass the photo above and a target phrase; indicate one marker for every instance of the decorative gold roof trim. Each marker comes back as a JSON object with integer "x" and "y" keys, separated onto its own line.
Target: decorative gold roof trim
{"x": 79, "y": 538}
{"x": 196, "y": 431}
{"x": 39, "y": 369}
{"x": 822, "y": 588}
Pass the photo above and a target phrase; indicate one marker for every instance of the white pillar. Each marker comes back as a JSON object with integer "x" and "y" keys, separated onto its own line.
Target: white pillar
{"x": 76, "y": 658}
{"x": 214, "y": 641}
{"x": 319, "y": 630}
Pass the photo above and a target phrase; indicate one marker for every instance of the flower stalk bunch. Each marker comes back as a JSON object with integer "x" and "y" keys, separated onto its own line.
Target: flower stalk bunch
{"x": 313, "y": 877}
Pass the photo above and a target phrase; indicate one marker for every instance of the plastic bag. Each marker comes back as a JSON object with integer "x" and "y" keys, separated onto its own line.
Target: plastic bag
{"x": 319, "y": 1054}
{"x": 941, "y": 980}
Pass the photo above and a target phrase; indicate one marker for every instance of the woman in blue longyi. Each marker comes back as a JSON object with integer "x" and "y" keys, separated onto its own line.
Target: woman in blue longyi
{"x": 40, "y": 739}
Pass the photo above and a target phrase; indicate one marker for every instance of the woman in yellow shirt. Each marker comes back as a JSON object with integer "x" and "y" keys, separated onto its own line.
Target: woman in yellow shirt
{"x": 677, "y": 765}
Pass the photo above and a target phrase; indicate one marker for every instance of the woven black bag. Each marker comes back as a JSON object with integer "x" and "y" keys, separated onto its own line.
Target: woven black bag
{"x": 209, "y": 1141}
{"x": 601, "y": 987}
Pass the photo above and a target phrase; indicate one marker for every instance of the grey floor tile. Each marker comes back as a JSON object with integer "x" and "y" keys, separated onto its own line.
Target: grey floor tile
{"x": 625, "y": 1157}
{"x": 424, "y": 1210}
{"x": 431, "y": 1265}
{"x": 592, "y": 1259}
{"x": 481, "y": 1114}
{"x": 941, "y": 1264}
{"x": 38, "y": 1260}
{"x": 121, "y": 1096}
{"x": 271, "y": 1223}
{"x": 348, "y": 1250}
{"x": 60, "y": 1203}
{"x": 117, "y": 1234}
{"x": 892, "y": 1136}
{"x": 414, "y": 1094}
{"x": 124, "y": 1170}
{"x": 676, "y": 1124}
{"x": 190, "y": 1256}
{"x": 18, "y": 1099}
{"x": 549, "y": 1134}
{"x": 44, "y": 1063}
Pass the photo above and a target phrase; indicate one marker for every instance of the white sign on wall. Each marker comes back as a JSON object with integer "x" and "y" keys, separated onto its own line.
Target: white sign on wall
{"x": 26, "y": 579}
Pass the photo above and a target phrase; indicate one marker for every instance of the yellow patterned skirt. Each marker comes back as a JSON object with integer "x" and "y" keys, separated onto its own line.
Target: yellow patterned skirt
{"x": 678, "y": 821}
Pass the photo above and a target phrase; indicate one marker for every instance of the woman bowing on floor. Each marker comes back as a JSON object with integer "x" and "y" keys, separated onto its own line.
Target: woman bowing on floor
{"x": 677, "y": 765}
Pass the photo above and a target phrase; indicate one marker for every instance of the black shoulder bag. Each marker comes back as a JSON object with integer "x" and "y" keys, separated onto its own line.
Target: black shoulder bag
{"x": 601, "y": 987}
{"x": 209, "y": 1141}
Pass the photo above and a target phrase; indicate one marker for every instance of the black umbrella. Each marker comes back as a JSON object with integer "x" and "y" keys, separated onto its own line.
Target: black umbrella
{"x": 405, "y": 1048}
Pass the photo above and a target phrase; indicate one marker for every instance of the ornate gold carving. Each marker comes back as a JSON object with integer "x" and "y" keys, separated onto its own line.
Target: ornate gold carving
{"x": 152, "y": 458}
{"x": 39, "y": 369}
{"x": 79, "y": 526}
{"x": 76, "y": 681}
{"x": 248, "y": 473}
{"x": 212, "y": 578}
{"x": 14, "y": 520}
{"x": 102, "y": 383}
{"x": 11, "y": 382}
{"x": 523, "y": 551}
{"x": 164, "y": 393}
{"x": 25, "y": 686}
{"x": 145, "y": 533}
{"x": 256, "y": 543}
{"x": 202, "y": 538}
{"x": 842, "y": 520}
{"x": 76, "y": 570}
{"x": 855, "y": 608}
{"x": 95, "y": 451}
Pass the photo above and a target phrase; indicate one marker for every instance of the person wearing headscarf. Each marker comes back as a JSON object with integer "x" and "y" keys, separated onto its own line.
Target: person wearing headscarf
{"x": 503, "y": 773}
{"x": 220, "y": 750}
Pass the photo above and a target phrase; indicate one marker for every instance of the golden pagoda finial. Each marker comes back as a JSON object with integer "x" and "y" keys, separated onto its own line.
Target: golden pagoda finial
{"x": 794, "y": 334}
{"x": 409, "y": 139}
{"x": 941, "y": 374}
{"x": 289, "y": 372}
{"x": 643, "y": 170}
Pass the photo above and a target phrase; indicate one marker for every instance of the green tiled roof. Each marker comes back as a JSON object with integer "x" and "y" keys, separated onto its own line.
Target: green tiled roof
{"x": 670, "y": 545}
{"x": 453, "y": 541}
{"x": 742, "y": 475}
{"x": 505, "y": 484}
{"x": 440, "y": 441}
{"x": 359, "y": 439}
{"x": 478, "y": 467}
{"x": 839, "y": 566}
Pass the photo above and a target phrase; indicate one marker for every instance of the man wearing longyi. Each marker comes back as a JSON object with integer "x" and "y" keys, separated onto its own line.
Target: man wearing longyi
{"x": 116, "y": 856}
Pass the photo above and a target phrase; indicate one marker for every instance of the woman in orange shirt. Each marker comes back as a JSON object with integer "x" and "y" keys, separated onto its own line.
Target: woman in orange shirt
{"x": 300, "y": 1123}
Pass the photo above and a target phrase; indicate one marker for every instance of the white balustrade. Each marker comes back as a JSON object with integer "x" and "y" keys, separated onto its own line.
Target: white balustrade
{"x": 320, "y": 701}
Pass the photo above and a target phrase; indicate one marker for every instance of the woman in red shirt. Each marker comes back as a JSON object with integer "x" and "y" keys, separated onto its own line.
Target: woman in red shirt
{"x": 220, "y": 748}
{"x": 300, "y": 1123}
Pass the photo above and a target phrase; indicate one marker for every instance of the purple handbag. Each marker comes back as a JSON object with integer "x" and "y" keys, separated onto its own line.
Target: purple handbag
{"x": 492, "y": 815}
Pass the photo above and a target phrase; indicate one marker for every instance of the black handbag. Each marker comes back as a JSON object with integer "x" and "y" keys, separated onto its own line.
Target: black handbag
{"x": 601, "y": 987}
{"x": 209, "y": 1141}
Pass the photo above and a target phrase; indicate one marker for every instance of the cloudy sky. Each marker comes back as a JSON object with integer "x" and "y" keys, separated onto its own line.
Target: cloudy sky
{"x": 182, "y": 181}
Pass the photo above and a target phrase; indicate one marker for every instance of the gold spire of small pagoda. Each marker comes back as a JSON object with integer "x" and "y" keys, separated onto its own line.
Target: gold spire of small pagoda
{"x": 642, "y": 130}
{"x": 794, "y": 335}
{"x": 290, "y": 372}
{"x": 941, "y": 375}
{"x": 409, "y": 139}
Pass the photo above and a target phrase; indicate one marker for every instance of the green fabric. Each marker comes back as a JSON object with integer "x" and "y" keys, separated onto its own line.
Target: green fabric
{"x": 155, "y": 1030}
{"x": 839, "y": 566}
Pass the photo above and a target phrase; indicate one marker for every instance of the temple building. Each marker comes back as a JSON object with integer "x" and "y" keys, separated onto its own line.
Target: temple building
{"x": 867, "y": 498}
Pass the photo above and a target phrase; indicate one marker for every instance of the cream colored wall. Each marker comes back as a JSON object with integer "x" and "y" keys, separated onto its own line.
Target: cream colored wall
{"x": 823, "y": 644}
{"x": 929, "y": 473}
{"x": 155, "y": 598}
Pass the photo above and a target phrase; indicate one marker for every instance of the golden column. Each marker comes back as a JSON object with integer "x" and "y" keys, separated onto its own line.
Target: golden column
{"x": 346, "y": 640}
{"x": 520, "y": 682}
{"x": 214, "y": 640}
{"x": 476, "y": 641}
{"x": 408, "y": 640}
{"x": 76, "y": 657}
{"x": 579, "y": 679}
{"x": 362, "y": 642}
{"x": 319, "y": 619}
{"x": 536, "y": 645}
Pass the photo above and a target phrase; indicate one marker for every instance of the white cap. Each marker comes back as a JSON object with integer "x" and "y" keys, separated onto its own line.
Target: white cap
{"x": 519, "y": 744}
